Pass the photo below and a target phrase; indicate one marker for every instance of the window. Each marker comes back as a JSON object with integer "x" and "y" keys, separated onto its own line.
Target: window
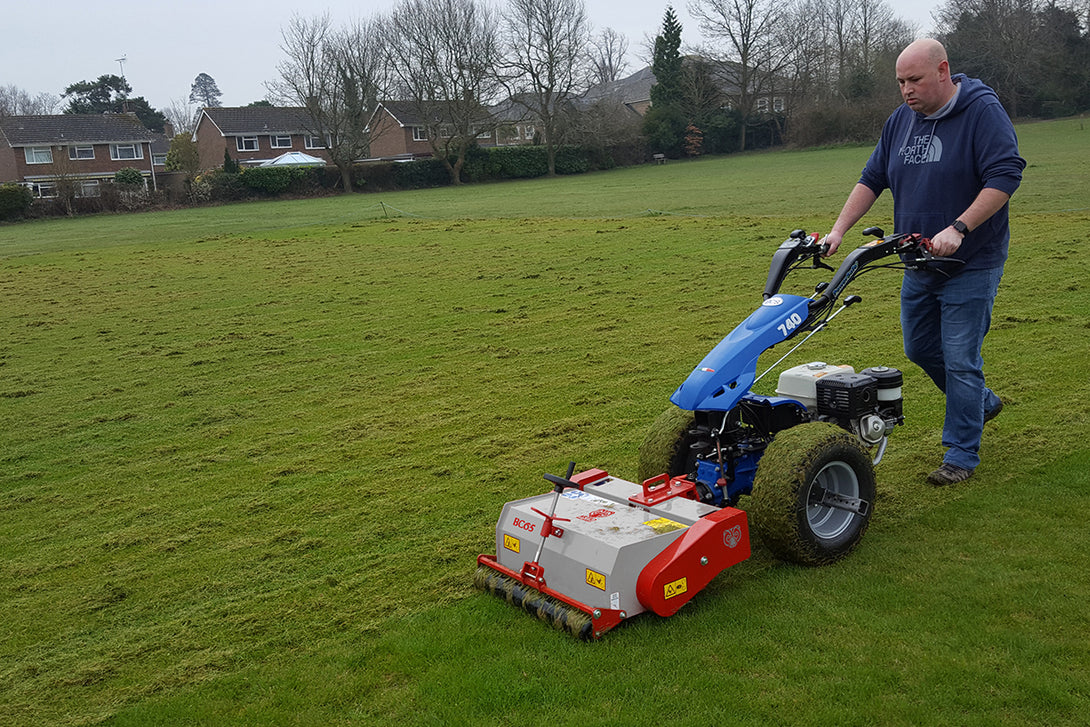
{"x": 420, "y": 133}
{"x": 246, "y": 143}
{"x": 81, "y": 152}
{"x": 484, "y": 133}
{"x": 44, "y": 189}
{"x": 159, "y": 160}
{"x": 280, "y": 142}
{"x": 528, "y": 131}
{"x": 38, "y": 155}
{"x": 762, "y": 105}
{"x": 313, "y": 141}
{"x": 87, "y": 188}
{"x": 777, "y": 104}
{"x": 120, "y": 152}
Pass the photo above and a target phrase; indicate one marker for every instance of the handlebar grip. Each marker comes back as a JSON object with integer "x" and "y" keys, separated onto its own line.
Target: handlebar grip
{"x": 560, "y": 482}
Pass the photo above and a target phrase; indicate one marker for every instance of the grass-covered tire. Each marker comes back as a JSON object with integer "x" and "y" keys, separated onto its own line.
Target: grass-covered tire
{"x": 665, "y": 448}
{"x": 795, "y": 468}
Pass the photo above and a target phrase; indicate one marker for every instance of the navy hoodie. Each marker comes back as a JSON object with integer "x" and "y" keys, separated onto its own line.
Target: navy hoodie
{"x": 936, "y": 165}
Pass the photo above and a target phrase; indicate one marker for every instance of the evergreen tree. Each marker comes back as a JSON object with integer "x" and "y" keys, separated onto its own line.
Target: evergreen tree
{"x": 205, "y": 92}
{"x": 183, "y": 155}
{"x": 110, "y": 94}
{"x": 667, "y": 62}
{"x": 230, "y": 166}
{"x": 665, "y": 122}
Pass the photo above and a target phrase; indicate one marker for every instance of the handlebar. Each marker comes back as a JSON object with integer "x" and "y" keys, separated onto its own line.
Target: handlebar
{"x": 793, "y": 254}
{"x": 913, "y": 249}
{"x": 799, "y": 248}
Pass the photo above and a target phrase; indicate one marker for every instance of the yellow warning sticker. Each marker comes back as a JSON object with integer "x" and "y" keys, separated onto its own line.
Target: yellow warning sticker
{"x": 676, "y": 588}
{"x": 596, "y": 579}
{"x": 663, "y": 525}
{"x": 511, "y": 542}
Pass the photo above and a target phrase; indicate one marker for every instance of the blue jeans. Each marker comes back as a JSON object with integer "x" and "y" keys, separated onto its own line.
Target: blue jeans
{"x": 944, "y": 321}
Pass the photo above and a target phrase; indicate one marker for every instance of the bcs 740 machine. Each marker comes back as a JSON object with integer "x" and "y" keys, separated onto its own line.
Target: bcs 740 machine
{"x": 599, "y": 549}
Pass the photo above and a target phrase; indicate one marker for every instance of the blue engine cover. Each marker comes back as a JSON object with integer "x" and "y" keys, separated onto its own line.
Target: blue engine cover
{"x": 727, "y": 372}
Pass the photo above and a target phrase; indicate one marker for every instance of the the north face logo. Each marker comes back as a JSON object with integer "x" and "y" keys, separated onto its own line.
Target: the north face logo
{"x": 922, "y": 150}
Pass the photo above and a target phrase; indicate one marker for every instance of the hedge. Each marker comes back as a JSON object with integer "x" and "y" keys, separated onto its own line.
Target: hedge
{"x": 15, "y": 201}
{"x": 483, "y": 164}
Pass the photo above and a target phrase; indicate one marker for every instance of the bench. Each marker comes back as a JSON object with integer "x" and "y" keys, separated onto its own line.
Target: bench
{"x": 659, "y": 158}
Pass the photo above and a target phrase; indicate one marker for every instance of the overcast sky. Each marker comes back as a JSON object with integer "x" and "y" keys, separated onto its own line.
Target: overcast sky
{"x": 52, "y": 45}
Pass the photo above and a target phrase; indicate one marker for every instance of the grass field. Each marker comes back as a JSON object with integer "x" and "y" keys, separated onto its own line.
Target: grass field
{"x": 251, "y": 452}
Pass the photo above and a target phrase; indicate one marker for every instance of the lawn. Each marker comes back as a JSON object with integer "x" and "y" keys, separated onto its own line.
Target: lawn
{"x": 251, "y": 452}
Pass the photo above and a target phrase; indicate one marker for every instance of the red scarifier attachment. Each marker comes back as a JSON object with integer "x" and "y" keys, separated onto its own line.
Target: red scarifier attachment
{"x": 713, "y": 543}
{"x": 625, "y": 549}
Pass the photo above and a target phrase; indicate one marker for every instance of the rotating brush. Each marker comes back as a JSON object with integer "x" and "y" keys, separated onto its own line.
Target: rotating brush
{"x": 546, "y": 608}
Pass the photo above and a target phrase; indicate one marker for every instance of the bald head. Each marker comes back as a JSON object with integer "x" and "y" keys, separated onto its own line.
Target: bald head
{"x": 924, "y": 49}
{"x": 923, "y": 73}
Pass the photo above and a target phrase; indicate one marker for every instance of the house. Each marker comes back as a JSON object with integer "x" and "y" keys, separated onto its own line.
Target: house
{"x": 398, "y": 131}
{"x": 634, "y": 91}
{"x": 254, "y": 134}
{"x": 516, "y": 125}
{"x": 84, "y": 150}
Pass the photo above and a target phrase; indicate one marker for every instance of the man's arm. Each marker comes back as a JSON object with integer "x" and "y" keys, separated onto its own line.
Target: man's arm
{"x": 986, "y": 204}
{"x": 859, "y": 203}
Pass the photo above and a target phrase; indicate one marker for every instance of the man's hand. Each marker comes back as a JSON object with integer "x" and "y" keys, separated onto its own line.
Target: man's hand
{"x": 832, "y": 242}
{"x": 946, "y": 243}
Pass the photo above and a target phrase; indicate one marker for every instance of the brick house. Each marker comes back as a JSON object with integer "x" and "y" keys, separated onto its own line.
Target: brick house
{"x": 399, "y": 132}
{"x": 82, "y": 149}
{"x": 254, "y": 134}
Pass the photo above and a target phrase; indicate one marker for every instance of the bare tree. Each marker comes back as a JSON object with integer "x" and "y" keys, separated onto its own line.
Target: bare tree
{"x": 606, "y": 123}
{"x": 546, "y": 43}
{"x": 14, "y": 101}
{"x": 608, "y": 51}
{"x": 362, "y": 79}
{"x": 445, "y": 57}
{"x": 997, "y": 40}
{"x": 336, "y": 76}
{"x": 181, "y": 115}
{"x": 751, "y": 57}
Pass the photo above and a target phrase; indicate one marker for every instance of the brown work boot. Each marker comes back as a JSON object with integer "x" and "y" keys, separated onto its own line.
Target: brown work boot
{"x": 949, "y": 474}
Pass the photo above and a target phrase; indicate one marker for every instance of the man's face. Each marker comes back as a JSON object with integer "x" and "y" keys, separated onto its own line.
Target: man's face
{"x": 923, "y": 82}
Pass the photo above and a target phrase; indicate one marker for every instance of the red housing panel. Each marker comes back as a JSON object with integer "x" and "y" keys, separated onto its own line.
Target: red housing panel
{"x": 709, "y": 546}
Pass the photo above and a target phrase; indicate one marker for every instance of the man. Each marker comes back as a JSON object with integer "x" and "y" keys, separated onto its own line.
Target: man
{"x": 949, "y": 156}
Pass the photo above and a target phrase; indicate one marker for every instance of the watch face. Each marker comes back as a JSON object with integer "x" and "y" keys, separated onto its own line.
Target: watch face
{"x": 960, "y": 226}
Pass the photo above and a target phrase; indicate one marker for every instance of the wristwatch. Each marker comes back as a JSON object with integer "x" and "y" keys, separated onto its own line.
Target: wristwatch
{"x": 960, "y": 227}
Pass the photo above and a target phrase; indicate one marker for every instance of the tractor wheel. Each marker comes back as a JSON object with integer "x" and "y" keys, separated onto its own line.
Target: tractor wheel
{"x": 665, "y": 448}
{"x": 802, "y": 471}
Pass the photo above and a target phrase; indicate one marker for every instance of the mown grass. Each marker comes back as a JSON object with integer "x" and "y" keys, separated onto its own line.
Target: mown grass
{"x": 250, "y": 453}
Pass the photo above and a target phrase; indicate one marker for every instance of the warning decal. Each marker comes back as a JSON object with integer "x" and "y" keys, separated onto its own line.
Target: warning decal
{"x": 663, "y": 525}
{"x": 596, "y": 579}
{"x": 675, "y": 589}
{"x": 511, "y": 542}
